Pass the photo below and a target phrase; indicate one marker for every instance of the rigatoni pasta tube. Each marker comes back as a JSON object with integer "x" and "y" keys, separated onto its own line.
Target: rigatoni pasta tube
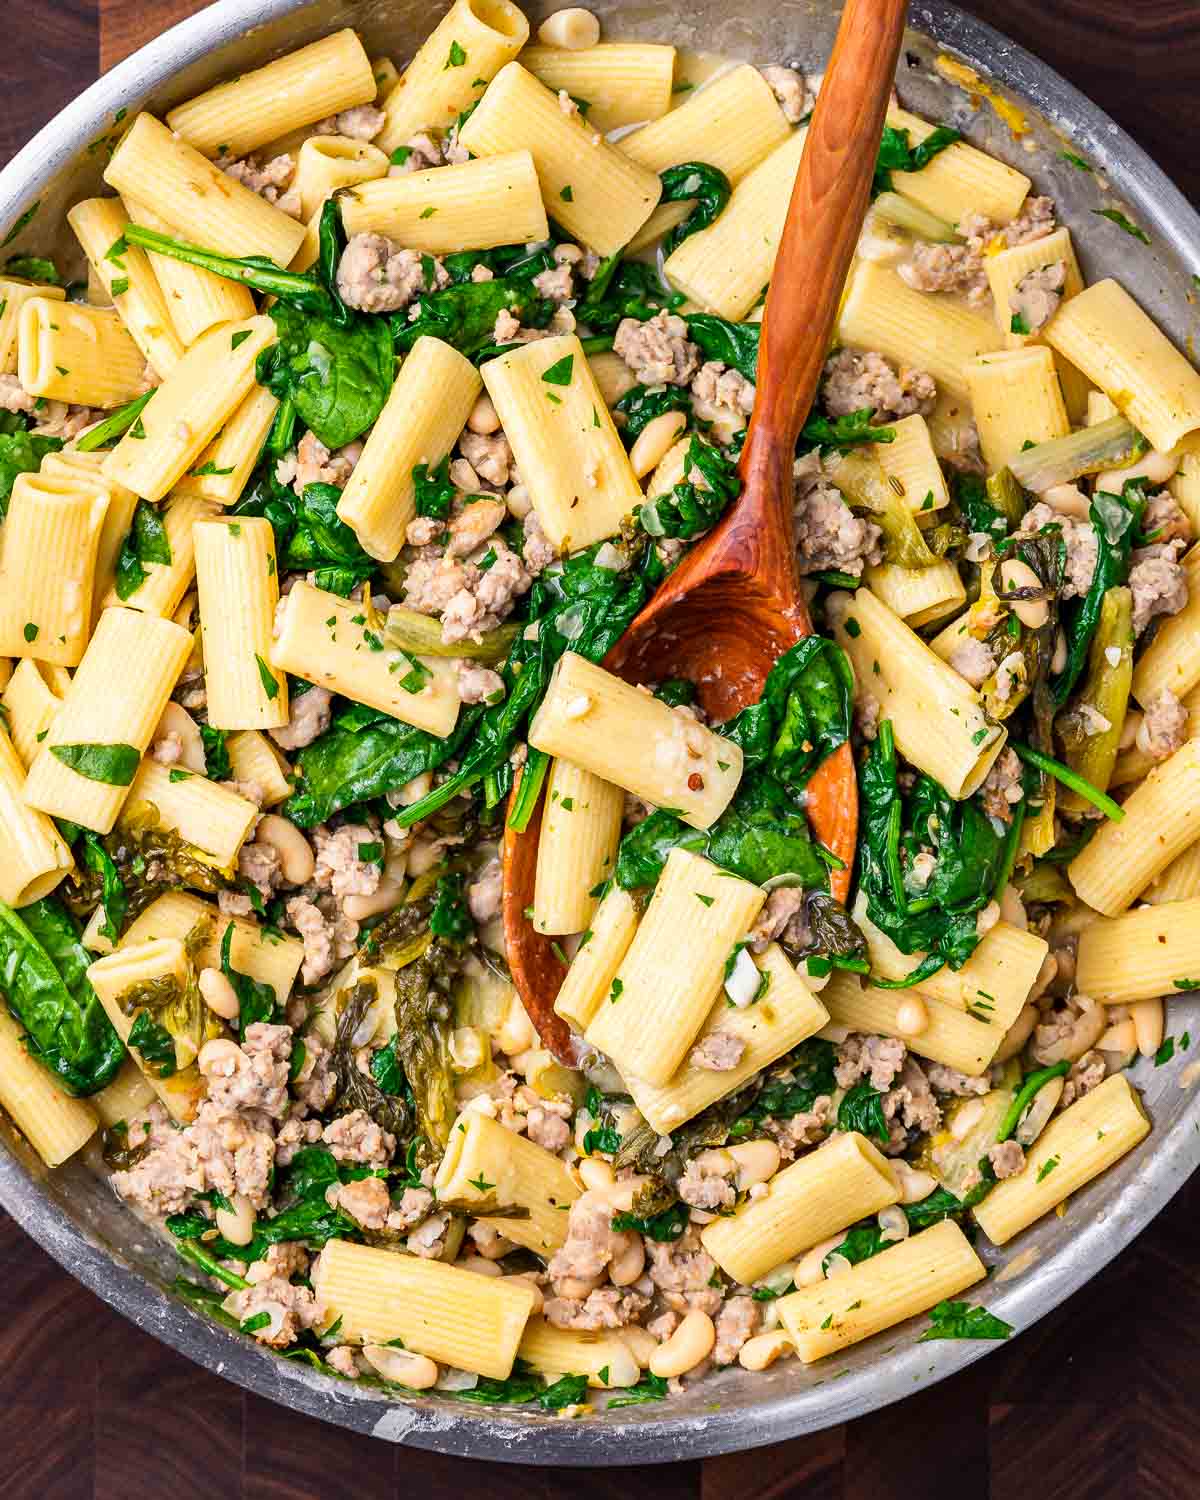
{"x": 53, "y": 1123}
{"x": 1151, "y": 951}
{"x": 202, "y": 204}
{"x": 432, "y": 92}
{"x": 1118, "y": 347}
{"x": 447, "y": 1313}
{"x": 1016, "y": 400}
{"x": 273, "y": 959}
{"x": 581, "y": 826}
{"x": 911, "y": 466}
{"x": 624, "y": 83}
{"x": 1076, "y": 1146}
{"x": 882, "y": 312}
{"x": 779, "y": 1020}
{"x": 570, "y": 456}
{"x": 825, "y": 1191}
{"x": 255, "y": 761}
{"x": 724, "y": 268}
{"x": 195, "y": 298}
{"x": 673, "y": 970}
{"x": 33, "y": 855}
{"x": 47, "y": 564}
{"x": 1008, "y": 267}
{"x": 31, "y": 702}
{"x": 595, "y": 720}
{"x": 202, "y": 812}
{"x": 116, "y": 697}
{"x": 732, "y": 123}
{"x": 487, "y": 1165}
{"x": 221, "y": 472}
{"x": 127, "y": 1095}
{"x": 1172, "y": 659}
{"x": 139, "y": 963}
{"x": 13, "y": 294}
{"x": 939, "y": 722}
{"x": 595, "y": 192}
{"x": 423, "y": 415}
{"x": 878, "y": 1293}
{"x": 127, "y": 275}
{"x": 238, "y": 585}
{"x": 919, "y": 596}
{"x": 327, "y": 162}
{"x": 67, "y": 351}
{"x": 1180, "y": 881}
{"x": 185, "y": 413}
{"x": 493, "y": 200}
{"x": 1162, "y": 818}
{"x": 960, "y": 180}
{"x": 323, "y": 638}
{"x": 88, "y": 468}
{"x": 951, "y": 1036}
{"x": 597, "y": 959}
{"x": 166, "y": 583}
{"x": 601, "y": 1355}
{"x": 297, "y": 89}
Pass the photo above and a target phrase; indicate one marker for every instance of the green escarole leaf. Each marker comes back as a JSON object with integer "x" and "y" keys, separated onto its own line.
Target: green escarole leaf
{"x": 115, "y": 765}
{"x": 43, "y": 978}
{"x": 115, "y": 902}
{"x": 145, "y": 542}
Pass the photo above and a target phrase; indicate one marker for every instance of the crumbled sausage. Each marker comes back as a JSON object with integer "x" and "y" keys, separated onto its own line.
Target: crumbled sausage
{"x": 1081, "y": 543}
{"x": 717, "y": 389}
{"x": 797, "y": 1132}
{"x": 719, "y": 1052}
{"x": 376, "y": 275}
{"x": 607, "y": 1307}
{"x": 488, "y": 454}
{"x": 548, "y": 1125}
{"x": 1157, "y": 582}
{"x": 736, "y": 1322}
{"x": 973, "y": 660}
{"x": 366, "y": 1201}
{"x": 257, "y": 1078}
{"x": 1164, "y": 520}
{"x": 789, "y": 87}
{"x": 1002, "y": 788}
{"x": 361, "y": 123}
{"x": 934, "y": 267}
{"x": 316, "y": 464}
{"x": 290, "y": 1308}
{"x": 478, "y": 684}
{"x": 945, "y": 1080}
{"x": 473, "y": 525}
{"x": 537, "y": 551}
{"x": 556, "y": 283}
{"x": 271, "y": 180}
{"x": 856, "y": 379}
{"x": 878, "y": 1058}
{"x": 702, "y": 1186}
{"x": 310, "y": 715}
{"x": 910, "y": 1105}
{"x": 828, "y": 533}
{"x": 323, "y": 943}
{"x": 658, "y": 351}
{"x": 13, "y": 395}
{"x": 1007, "y": 1159}
{"x": 779, "y": 912}
{"x": 356, "y": 1137}
{"x": 1164, "y": 726}
{"x": 340, "y": 867}
{"x": 1085, "y": 1075}
{"x": 590, "y": 1243}
{"x": 1036, "y": 297}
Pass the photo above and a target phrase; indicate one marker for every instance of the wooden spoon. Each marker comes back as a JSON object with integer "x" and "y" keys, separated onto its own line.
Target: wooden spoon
{"x": 733, "y": 606}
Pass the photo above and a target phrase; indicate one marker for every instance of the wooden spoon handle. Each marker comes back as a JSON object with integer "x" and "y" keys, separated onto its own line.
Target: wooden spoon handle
{"x": 829, "y": 200}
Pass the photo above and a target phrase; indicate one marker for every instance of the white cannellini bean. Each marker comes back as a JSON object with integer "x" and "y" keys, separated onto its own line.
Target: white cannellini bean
{"x": 237, "y": 1225}
{"x": 623, "y": 1369}
{"x": 577, "y": 1287}
{"x": 1120, "y": 1037}
{"x": 516, "y": 1034}
{"x": 640, "y": 1341}
{"x": 296, "y": 858}
{"x": 1014, "y": 574}
{"x": 519, "y": 502}
{"x": 893, "y": 1224}
{"x": 1147, "y": 1018}
{"x": 1067, "y": 500}
{"x": 1155, "y": 466}
{"x": 756, "y": 1161}
{"x": 913, "y": 1184}
{"x": 966, "y": 1118}
{"x": 483, "y": 418}
{"x": 912, "y": 1016}
{"x": 618, "y": 1196}
{"x": 177, "y": 721}
{"x": 651, "y": 444}
{"x": 809, "y": 1270}
{"x": 596, "y": 1174}
{"x": 629, "y": 1261}
{"x": 385, "y": 895}
{"x": 479, "y": 1264}
{"x": 218, "y": 1049}
{"x": 413, "y": 1370}
{"x": 1017, "y": 1034}
{"x": 573, "y": 29}
{"x": 760, "y": 1352}
{"x": 1037, "y": 1114}
{"x": 219, "y": 995}
{"x": 691, "y": 1343}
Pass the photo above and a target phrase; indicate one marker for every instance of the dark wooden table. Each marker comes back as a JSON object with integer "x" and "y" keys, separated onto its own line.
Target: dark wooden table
{"x": 1096, "y": 1402}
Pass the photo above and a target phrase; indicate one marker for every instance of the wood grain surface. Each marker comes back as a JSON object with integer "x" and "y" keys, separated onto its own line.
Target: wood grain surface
{"x": 1095, "y": 1402}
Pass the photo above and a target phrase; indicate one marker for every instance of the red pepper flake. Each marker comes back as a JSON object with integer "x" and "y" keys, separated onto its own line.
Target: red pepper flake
{"x": 695, "y": 782}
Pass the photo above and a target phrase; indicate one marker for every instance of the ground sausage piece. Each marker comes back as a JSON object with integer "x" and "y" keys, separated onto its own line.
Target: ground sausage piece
{"x": 485, "y": 598}
{"x": 478, "y": 684}
{"x": 719, "y": 1052}
{"x": 1002, "y": 789}
{"x": 946, "y": 268}
{"x": 13, "y": 395}
{"x": 590, "y": 1242}
{"x": 317, "y": 934}
{"x": 878, "y": 1058}
{"x": 1036, "y": 297}
{"x": 800, "y": 1131}
{"x": 343, "y": 1361}
{"x": 286, "y": 1260}
{"x": 270, "y": 180}
{"x": 1157, "y": 582}
{"x": 1164, "y": 726}
{"x": 703, "y": 1188}
{"x": 258, "y": 1077}
{"x": 488, "y": 454}
{"x": 855, "y": 379}
{"x": 366, "y": 1201}
{"x": 607, "y": 1307}
{"x": 946, "y": 1080}
{"x": 361, "y": 123}
{"x": 310, "y": 716}
{"x": 376, "y": 275}
{"x": 537, "y": 551}
{"x": 717, "y": 387}
{"x": 778, "y": 913}
{"x": 658, "y": 351}
{"x": 1084, "y": 1076}
{"x": 548, "y": 1126}
{"x": 1007, "y": 1159}
{"x": 909, "y": 1106}
{"x": 789, "y": 87}
{"x": 291, "y": 1309}
{"x": 1081, "y": 543}
{"x": 340, "y": 867}
{"x": 973, "y": 660}
{"x": 1034, "y": 222}
{"x": 473, "y": 525}
{"x": 828, "y": 533}
{"x": 555, "y": 283}
{"x": 736, "y": 1321}
{"x": 680, "y": 1266}
{"x": 316, "y": 464}
{"x": 258, "y": 865}
{"x": 356, "y": 1137}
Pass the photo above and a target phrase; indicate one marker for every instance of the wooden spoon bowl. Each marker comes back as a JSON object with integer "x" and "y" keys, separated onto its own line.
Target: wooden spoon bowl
{"x": 733, "y": 606}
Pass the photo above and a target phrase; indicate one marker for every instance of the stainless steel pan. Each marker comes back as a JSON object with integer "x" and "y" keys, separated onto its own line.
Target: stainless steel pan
{"x": 73, "y": 1214}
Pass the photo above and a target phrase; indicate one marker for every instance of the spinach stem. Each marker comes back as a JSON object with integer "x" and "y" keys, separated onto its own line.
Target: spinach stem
{"x": 1028, "y": 1089}
{"x": 533, "y": 776}
{"x": 112, "y": 427}
{"x": 1070, "y": 778}
{"x": 191, "y": 1251}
